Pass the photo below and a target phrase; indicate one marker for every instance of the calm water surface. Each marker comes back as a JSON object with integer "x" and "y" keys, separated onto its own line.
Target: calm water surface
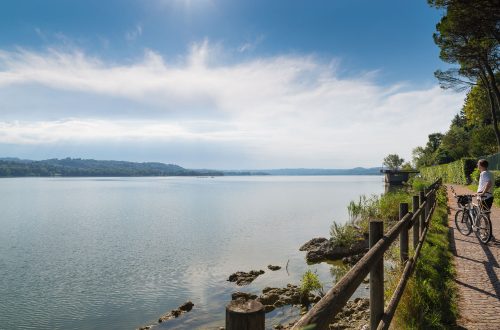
{"x": 116, "y": 253}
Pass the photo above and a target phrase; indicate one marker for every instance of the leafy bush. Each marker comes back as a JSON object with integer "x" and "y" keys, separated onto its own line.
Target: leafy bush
{"x": 455, "y": 172}
{"x": 419, "y": 183}
{"x": 343, "y": 235}
{"x": 310, "y": 283}
{"x": 475, "y": 176}
{"x": 496, "y": 177}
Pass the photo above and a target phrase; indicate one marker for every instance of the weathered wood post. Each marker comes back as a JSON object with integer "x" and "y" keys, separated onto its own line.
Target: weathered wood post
{"x": 422, "y": 214}
{"x": 245, "y": 315}
{"x": 376, "y": 277}
{"x": 427, "y": 203}
{"x": 403, "y": 235}
{"x": 416, "y": 224}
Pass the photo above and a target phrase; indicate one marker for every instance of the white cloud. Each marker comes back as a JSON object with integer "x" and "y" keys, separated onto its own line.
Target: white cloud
{"x": 135, "y": 33}
{"x": 283, "y": 111}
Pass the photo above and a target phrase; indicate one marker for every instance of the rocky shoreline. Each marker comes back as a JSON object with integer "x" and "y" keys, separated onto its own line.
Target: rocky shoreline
{"x": 354, "y": 315}
{"x": 273, "y": 298}
{"x": 173, "y": 314}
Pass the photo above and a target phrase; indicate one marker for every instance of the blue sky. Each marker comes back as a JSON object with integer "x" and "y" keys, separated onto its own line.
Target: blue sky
{"x": 220, "y": 84}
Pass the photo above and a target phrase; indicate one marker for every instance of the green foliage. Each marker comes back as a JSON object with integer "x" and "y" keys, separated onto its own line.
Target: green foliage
{"x": 310, "y": 283}
{"x": 389, "y": 205}
{"x": 407, "y": 167}
{"x": 455, "y": 172}
{"x": 496, "y": 196}
{"x": 430, "y": 298}
{"x": 343, "y": 235}
{"x": 496, "y": 178}
{"x": 468, "y": 36}
{"x": 475, "y": 176}
{"x": 393, "y": 161}
{"x": 419, "y": 184}
{"x": 482, "y": 141}
{"x": 364, "y": 209}
{"x": 428, "y": 155}
{"x": 361, "y": 212}
{"x": 477, "y": 106}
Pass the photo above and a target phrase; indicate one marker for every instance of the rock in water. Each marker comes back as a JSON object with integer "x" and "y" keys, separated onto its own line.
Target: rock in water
{"x": 242, "y": 278}
{"x": 321, "y": 249}
{"x": 175, "y": 313}
{"x": 186, "y": 307}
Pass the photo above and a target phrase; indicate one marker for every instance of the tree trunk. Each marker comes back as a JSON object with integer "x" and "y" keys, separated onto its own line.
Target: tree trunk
{"x": 494, "y": 117}
{"x": 493, "y": 95}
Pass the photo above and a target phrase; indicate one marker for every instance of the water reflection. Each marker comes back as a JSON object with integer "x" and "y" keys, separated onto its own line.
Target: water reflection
{"x": 118, "y": 253}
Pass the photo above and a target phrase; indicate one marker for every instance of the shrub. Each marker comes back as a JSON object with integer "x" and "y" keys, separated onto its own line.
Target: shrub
{"x": 496, "y": 177}
{"x": 475, "y": 176}
{"x": 419, "y": 183}
{"x": 310, "y": 283}
{"x": 361, "y": 212}
{"x": 343, "y": 235}
{"x": 389, "y": 205}
{"x": 455, "y": 172}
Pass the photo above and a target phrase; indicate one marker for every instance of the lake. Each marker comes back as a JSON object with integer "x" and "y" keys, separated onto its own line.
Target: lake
{"x": 117, "y": 253}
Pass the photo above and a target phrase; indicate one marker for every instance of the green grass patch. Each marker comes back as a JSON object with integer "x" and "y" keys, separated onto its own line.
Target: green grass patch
{"x": 430, "y": 298}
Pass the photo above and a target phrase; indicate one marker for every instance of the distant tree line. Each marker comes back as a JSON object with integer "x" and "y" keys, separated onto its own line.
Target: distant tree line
{"x": 468, "y": 36}
{"x": 90, "y": 167}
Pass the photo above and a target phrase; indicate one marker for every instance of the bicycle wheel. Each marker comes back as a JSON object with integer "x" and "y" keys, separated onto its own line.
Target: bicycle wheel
{"x": 483, "y": 228}
{"x": 463, "y": 223}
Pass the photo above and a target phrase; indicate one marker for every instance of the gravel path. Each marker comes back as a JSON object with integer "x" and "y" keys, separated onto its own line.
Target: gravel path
{"x": 478, "y": 271}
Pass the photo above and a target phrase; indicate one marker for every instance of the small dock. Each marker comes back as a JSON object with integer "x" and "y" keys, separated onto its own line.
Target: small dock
{"x": 397, "y": 177}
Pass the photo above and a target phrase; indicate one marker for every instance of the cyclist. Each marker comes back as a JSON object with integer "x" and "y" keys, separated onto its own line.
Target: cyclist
{"x": 485, "y": 187}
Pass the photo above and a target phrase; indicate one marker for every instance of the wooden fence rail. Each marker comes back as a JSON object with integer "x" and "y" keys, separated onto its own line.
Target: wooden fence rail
{"x": 323, "y": 313}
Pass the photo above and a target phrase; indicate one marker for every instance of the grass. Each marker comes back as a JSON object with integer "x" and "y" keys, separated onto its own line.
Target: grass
{"x": 384, "y": 207}
{"x": 430, "y": 298}
{"x": 343, "y": 235}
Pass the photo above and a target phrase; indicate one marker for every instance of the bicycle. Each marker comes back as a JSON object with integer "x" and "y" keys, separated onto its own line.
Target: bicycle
{"x": 471, "y": 216}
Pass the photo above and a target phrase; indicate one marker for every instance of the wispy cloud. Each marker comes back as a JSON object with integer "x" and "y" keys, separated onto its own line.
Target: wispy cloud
{"x": 250, "y": 45}
{"x": 282, "y": 111}
{"x": 135, "y": 33}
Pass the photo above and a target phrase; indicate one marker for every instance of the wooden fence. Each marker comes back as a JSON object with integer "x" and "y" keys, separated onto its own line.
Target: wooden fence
{"x": 322, "y": 314}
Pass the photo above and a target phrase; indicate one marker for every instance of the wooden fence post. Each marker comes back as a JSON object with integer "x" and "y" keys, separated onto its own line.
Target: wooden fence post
{"x": 376, "y": 277}
{"x": 403, "y": 235}
{"x": 245, "y": 315}
{"x": 422, "y": 214}
{"x": 416, "y": 227}
{"x": 428, "y": 201}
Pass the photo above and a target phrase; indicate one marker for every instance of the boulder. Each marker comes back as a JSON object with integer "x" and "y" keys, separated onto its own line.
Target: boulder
{"x": 175, "y": 313}
{"x": 320, "y": 249}
{"x": 186, "y": 307}
{"x": 273, "y": 268}
{"x": 242, "y": 278}
{"x": 243, "y": 295}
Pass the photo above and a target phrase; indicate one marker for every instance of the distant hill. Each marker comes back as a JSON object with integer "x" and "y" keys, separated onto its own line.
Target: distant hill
{"x": 14, "y": 167}
{"x": 309, "y": 171}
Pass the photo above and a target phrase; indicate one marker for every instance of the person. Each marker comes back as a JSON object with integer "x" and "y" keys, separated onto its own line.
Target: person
{"x": 485, "y": 187}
